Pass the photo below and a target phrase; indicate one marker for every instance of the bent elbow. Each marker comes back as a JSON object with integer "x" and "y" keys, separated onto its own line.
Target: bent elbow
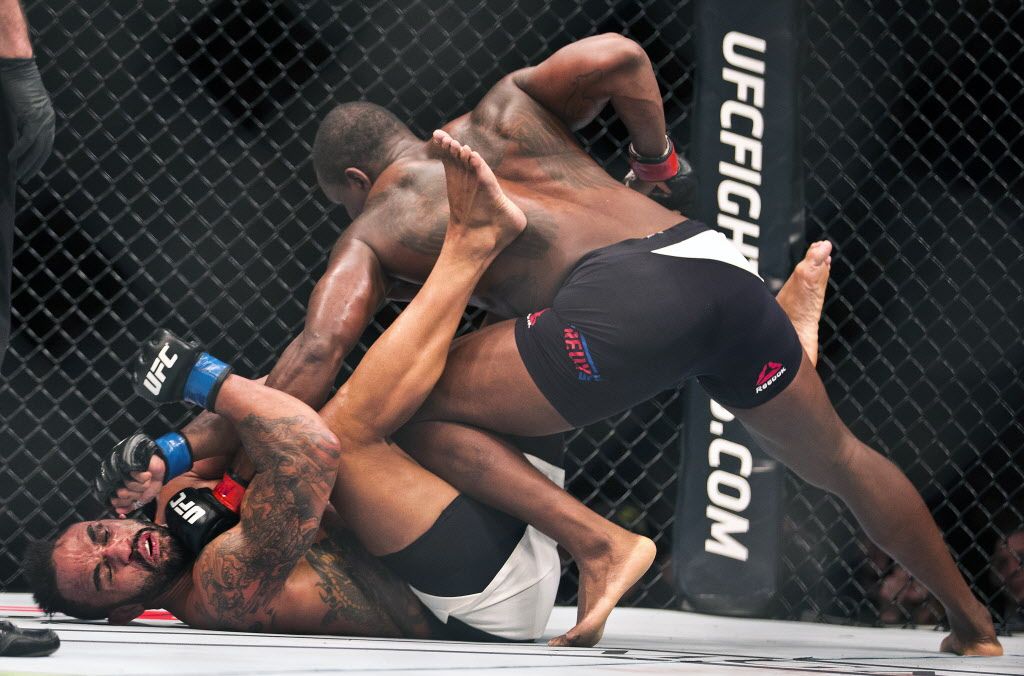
{"x": 623, "y": 52}
{"x": 322, "y": 349}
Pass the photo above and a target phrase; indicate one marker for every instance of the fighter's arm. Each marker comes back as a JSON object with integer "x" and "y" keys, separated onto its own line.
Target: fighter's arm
{"x": 343, "y": 302}
{"x": 14, "y": 40}
{"x": 580, "y": 79}
{"x": 238, "y": 575}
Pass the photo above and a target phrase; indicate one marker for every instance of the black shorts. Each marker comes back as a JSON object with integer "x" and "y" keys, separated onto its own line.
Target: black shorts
{"x": 643, "y": 315}
{"x": 461, "y": 553}
{"x": 458, "y": 556}
{"x": 474, "y": 551}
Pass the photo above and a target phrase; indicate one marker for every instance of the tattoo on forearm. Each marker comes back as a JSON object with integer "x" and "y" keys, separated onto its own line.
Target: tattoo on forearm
{"x": 280, "y": 517}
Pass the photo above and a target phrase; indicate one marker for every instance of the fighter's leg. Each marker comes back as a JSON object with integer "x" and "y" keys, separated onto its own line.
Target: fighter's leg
{"x": 800, "y": 428}
{"x": 478, "y": 463}
{"x": 473, "y": 391}
{"x": 386, "y": 498}
{"x": 486, "y": 384}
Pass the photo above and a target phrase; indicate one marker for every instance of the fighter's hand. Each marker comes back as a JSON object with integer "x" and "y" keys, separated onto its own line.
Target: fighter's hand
{"x": 139, "y": 488}
{"x": 670, "y": 180}
{"x": 131, "y": 475}
{"x": 646, "y": 187}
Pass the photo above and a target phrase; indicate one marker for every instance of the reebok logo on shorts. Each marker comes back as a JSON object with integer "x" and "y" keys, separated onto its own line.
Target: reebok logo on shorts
{"x": 532, "y": 318}
{"x": 770, "y": 372}
{"x": 579, "y": 355}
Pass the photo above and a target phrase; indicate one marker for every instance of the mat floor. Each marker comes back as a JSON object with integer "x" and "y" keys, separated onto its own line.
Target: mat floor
{"x": 636, "y": 641}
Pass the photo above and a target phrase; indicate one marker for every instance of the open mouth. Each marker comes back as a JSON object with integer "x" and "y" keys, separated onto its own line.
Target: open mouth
{"x": 146, "y": 548}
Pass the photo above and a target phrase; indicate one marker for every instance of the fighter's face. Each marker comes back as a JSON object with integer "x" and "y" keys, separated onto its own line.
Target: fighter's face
{"x": 114, "y": 562}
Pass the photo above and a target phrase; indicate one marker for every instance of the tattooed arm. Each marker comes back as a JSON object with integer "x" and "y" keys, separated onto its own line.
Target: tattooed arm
{"x": 238, "y": 575}
{"x": 580, "y": 79}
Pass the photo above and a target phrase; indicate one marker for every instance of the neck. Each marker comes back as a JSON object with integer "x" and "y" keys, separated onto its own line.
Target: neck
{"x": 405, "y": 148}
{"x": 175, "y": 594}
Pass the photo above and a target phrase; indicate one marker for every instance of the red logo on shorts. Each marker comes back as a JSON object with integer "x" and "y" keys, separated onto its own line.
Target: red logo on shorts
{"x": 770, "y": 372}
{"x": 579, "y": 354}
{"x": 532, "y": 318}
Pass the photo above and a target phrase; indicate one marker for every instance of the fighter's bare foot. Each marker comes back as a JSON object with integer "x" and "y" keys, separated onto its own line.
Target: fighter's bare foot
{"x": 803, "y": 295}
{"x": 476, "y": 202}
{"x": 604, "y": 578}
{"x": 972, "y": 635}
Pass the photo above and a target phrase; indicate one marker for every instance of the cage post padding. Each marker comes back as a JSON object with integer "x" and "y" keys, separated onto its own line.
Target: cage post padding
{"x": 747, "y": 160}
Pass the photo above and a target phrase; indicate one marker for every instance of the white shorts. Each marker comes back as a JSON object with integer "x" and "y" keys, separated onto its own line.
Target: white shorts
{"x": 518, "y": 601}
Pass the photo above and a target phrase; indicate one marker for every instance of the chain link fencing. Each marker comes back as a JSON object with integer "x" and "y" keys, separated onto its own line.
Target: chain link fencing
{"x": 180, "y": 194}
{"x": 913, "y": 145}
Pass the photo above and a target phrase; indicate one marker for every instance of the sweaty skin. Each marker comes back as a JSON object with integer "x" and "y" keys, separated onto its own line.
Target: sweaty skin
{"x": 522, "y": 128}
{"x": 269, "y": 573}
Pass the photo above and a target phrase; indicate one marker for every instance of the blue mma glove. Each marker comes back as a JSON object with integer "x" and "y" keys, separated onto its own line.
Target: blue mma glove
{"x": 134, "y": 454}
{"x": 170, "y": 369}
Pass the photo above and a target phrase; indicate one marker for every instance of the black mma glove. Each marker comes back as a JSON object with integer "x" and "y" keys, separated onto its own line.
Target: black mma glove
{"x": 671, "y": 170}
{"x": 32, "y": 111}
{"x": 170, "y": 369}
{"x": 134, "y": 454}
{"x": 198, "y": 515}
{"x": 18, "y": 642}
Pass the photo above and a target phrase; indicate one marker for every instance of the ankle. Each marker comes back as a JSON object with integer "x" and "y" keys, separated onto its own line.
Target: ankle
{"x": 599, "y": 541}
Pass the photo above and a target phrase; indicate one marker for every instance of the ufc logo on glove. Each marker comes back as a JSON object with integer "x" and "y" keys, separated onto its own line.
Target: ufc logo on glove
{"x": 189, "y": 510}
{"x": 155, "y": 377}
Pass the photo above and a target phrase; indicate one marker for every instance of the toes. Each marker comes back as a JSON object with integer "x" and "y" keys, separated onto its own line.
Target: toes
{"x": 559, "y": 642}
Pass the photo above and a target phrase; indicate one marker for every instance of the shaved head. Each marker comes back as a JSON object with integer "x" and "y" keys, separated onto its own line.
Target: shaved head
{"x": 356, "y": 134}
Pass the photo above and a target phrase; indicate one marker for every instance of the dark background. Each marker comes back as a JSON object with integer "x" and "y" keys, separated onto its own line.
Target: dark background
{"x": 180, "y": 194}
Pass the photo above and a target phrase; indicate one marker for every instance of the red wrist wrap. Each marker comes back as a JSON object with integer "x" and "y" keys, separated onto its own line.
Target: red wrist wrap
{"x": 229, "y": 493}
{"x": 659, "y": 170}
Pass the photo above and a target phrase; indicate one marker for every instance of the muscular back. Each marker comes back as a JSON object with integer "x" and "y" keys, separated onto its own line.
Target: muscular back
{"x": 571, "y": 204}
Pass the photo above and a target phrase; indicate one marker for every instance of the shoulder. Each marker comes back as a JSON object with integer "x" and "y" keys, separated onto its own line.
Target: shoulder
{"x": 409, "y": 204}
{"x": 506, "y": 100}
{"x": 403, "y": 189}
{"x": 508, "y": 115}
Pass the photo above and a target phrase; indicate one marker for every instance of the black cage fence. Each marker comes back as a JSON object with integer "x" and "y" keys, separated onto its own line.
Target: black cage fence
{"x": 181, "y": 194}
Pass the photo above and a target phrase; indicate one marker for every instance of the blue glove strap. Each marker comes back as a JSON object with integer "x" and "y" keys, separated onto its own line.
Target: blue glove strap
{"x": 177, "y": 455}
{"x": 202, "y": 378}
